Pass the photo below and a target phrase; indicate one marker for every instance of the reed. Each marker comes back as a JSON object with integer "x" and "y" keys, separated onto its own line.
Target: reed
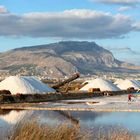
{"x": 34, "y": 131}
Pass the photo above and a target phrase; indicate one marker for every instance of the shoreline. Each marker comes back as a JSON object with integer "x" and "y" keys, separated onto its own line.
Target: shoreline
{"x": 46, "y": 97}
{"x": 117, "y": 103}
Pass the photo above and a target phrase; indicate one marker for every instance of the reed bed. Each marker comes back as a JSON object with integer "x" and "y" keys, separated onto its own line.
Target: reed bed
{"x": 34, "y": 131}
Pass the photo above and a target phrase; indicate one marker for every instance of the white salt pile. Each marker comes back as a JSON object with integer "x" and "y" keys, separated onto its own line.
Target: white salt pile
{"x": 125, "y": 84}
{"x": 137, "y": 82}
{"x": 118, "y": 81}
{"x": 103, "y": 84}
{"x": 24, "y": 85}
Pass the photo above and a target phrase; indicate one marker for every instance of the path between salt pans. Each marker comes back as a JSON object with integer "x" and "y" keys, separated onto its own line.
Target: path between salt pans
{"x": 110, "y": 104}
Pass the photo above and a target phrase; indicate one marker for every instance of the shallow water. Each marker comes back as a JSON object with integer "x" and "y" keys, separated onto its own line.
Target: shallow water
{"x": 86, "y": 120}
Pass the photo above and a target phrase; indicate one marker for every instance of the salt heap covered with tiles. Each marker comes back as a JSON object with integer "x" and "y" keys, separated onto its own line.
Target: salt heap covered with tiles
{"x": 103, "y": 84}
{"x": 24, "y": 85}
{"x": 125, "y": 84}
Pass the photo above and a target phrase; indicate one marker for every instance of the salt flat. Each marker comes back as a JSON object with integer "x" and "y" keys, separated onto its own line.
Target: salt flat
{"x": 107, "y": 103}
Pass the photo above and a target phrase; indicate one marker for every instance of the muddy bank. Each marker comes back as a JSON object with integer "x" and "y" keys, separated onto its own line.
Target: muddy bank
{"x": 33, "y": 98}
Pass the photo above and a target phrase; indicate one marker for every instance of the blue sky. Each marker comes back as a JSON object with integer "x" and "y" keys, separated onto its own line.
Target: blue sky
{"x": 113, "y": 24}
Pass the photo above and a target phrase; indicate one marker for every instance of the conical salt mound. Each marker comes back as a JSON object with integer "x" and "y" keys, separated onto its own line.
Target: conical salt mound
{"x": 125, "y": 84}
{"x": 24, "y": 85}
{"x": 118, "y": 81}
{"x": 103, "y": 84}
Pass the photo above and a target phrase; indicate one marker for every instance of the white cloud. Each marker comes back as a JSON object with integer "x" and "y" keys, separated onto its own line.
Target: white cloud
{"x": 119, "y": 2}
{"x": 124, "y": 8}
{"x": 3, "y": 10}
{"x": 125, "y": 54}
{"x": 136, "y": 26}
{"x": 119, "y": 50}
{"x": 78, "y": 24}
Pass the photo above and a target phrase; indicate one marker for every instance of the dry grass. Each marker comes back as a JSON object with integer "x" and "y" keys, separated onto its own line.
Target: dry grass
{"x": 34, "y": 131}
{"x": 112, "y": 133}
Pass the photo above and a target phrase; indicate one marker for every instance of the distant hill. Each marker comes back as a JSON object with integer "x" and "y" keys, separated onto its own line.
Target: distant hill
{"x": 62, "y": 58}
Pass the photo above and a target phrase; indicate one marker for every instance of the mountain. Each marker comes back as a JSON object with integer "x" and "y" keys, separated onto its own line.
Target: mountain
{"x": 60, "y": 59}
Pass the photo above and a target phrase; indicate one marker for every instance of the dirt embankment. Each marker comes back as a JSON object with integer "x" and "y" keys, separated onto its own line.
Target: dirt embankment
{"x": 33, "y": 98}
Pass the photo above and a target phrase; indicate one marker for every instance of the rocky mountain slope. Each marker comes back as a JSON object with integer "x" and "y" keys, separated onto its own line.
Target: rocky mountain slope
{"x": 62, "y": 58}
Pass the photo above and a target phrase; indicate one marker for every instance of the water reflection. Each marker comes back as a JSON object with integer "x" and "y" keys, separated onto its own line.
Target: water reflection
{"x": 127, "y": 120}
{"x": 88, "y": 120}
{"x": 8, "y": 119}
{"x": 13, "y": 117}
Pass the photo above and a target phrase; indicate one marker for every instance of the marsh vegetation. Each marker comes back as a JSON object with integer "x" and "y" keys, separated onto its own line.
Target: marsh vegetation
{"x": 34, "y": 131}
